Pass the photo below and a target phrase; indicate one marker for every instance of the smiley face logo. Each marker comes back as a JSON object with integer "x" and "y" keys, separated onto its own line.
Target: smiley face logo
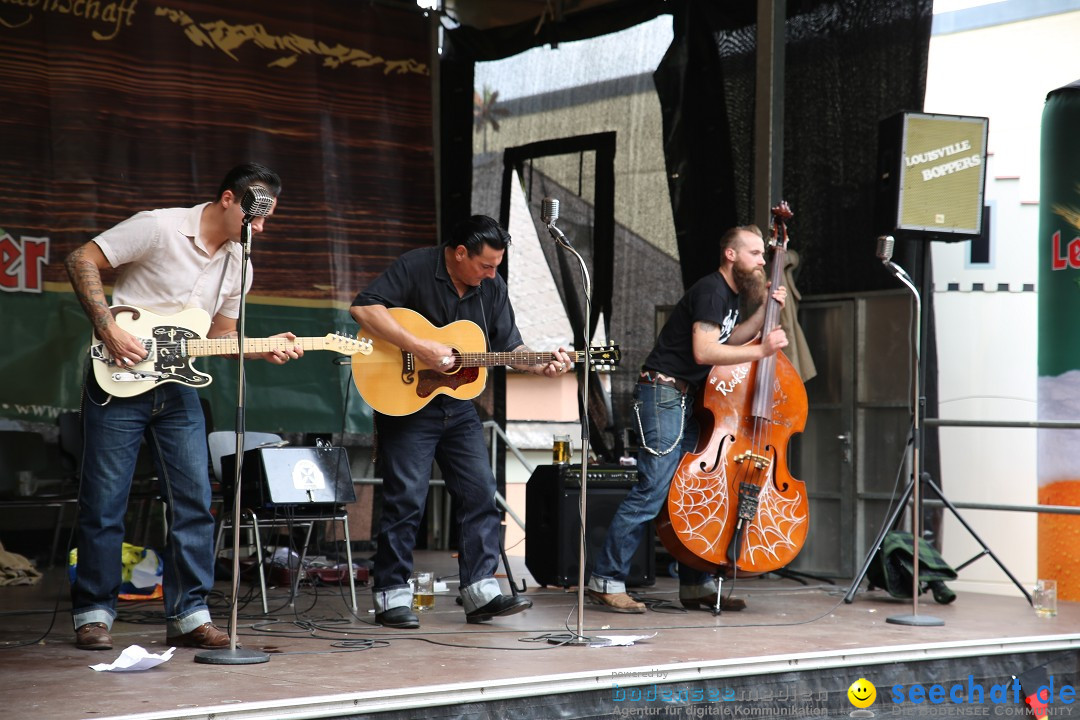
{"x": 862, "y": 693}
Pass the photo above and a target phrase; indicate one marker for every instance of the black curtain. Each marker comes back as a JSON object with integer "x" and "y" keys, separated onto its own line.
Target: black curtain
{"x": 849, "y": 64}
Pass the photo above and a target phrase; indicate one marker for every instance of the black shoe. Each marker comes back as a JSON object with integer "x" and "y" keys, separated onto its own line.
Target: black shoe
{"x": 500, "y": 606}
{"x": 398, "y": 617}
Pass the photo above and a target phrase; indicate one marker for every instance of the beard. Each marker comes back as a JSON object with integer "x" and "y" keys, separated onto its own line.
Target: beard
{"x": 750, "y": 284}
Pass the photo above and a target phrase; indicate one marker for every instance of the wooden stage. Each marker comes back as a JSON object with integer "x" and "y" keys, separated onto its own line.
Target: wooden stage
{"x": 793, "y": 652}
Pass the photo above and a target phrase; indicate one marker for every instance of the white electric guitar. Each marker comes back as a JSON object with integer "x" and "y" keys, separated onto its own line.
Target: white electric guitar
{"x": 173, "y": 342}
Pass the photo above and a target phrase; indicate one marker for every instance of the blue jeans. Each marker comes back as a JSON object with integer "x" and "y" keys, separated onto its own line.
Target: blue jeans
{"x": 663, "y": 411}
{"x": 448, "y": 432}
{"x": 171, "y": 418}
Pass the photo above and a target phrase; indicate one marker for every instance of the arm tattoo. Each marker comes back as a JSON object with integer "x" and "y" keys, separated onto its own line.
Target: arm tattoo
{"x": 86, "y": 280}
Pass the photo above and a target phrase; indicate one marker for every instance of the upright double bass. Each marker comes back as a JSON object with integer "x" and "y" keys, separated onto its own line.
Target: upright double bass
{"x": 734, "y": 507}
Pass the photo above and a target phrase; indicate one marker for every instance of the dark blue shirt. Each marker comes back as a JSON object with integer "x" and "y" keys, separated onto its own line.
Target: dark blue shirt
{"x": 418, "y": 280}
{"x": 709, "y": 300}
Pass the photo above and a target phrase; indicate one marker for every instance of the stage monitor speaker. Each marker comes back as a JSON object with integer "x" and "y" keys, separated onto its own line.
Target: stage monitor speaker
{"x": 290, "y": 476}
{"x": 552, "y": 529}
{"x": 932, "y": 174}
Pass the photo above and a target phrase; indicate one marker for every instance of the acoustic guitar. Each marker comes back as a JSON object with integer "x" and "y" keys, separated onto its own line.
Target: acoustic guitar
{"x": 173, "y": 342}
{"x": 394, "y": 382}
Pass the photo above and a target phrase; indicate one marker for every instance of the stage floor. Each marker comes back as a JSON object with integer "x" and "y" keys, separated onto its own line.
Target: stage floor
{"x": 326, "y": 662}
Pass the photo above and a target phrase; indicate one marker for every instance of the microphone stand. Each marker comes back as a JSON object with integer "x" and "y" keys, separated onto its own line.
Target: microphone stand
{"x": 916, "y": 449}
{"x": 579, "y": 635}
{"x": 234, "y": 655}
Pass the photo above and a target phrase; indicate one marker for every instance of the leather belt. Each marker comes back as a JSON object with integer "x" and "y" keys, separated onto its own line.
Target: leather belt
{"x": 653, "y": 377}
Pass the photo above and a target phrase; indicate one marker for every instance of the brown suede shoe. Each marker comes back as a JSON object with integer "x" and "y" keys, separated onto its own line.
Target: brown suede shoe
{"x": 709, "y": 603}
{"x": 93, "y": 636}
{"x": 206, "y": 637}
{"x": 617, "y": 602}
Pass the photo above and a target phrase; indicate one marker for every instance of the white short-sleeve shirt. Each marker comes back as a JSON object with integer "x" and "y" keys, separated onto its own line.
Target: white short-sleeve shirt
{"x": 165, "y": 268}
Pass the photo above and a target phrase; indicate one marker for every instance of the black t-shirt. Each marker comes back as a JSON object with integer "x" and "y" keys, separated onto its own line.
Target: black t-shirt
{"x": 418, "y": 280}
{"x": 710, "y": 300}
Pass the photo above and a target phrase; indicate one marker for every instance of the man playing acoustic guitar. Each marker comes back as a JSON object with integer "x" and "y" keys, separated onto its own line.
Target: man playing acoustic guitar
{"x": 452, "y": 282}
{"x": 169, "y": 260}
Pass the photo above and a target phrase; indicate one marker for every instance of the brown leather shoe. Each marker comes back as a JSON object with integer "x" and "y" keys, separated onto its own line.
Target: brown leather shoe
{"x": 617, "y": 602}
{"x": 206, "y": 637}
{"x": 93, "y": 636}
{"x": 708, "y": 602}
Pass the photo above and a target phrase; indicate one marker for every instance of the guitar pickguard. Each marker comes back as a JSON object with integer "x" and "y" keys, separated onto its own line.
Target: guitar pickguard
{"x": 432, "y": 380}
{"x": 170, "y": 356}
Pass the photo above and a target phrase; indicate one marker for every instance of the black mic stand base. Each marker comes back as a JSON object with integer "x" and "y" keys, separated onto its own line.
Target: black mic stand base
{"x": 233, "y": 656}
{"x": 565, "y": 639}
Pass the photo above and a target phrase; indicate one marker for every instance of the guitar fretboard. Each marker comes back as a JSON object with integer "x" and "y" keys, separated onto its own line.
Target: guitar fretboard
{"x": 231, "y": 346}
{"x": 493, "y": 359}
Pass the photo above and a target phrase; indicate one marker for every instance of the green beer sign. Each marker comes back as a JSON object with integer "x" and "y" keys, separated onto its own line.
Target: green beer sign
{"x": 1059, "y": 337}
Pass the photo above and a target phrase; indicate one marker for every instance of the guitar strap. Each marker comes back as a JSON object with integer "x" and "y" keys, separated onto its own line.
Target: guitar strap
{"x": 221, "y": 282}
{"x": 483, "y": 316}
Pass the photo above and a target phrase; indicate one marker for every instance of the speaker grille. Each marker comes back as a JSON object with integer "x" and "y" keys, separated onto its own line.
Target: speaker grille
{"x": 932, "y": 172}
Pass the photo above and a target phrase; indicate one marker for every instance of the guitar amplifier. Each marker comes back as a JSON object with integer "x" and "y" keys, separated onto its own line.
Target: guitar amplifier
{"x": 316, "y": 477}
{"x": 615, "y": 476}
{"x": 553, "y": 528}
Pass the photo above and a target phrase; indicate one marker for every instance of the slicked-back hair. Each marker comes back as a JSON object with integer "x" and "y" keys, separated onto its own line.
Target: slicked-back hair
{"x": 243, "y": 176}
{"x": 477, "y": 231}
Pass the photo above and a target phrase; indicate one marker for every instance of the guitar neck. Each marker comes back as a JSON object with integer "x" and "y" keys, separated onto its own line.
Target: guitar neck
{"x": 492, "y": 359}
{"x": 203, "y": 347}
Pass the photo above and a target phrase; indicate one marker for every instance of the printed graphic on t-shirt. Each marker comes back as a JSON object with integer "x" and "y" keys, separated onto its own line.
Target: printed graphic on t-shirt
{"x": 728, "y": 325}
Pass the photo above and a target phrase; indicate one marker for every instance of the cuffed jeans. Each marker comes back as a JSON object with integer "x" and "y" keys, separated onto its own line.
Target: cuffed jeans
{"x": 662, "y": 413}
{"x": 171, "y": 418}
{"x": 448, "y": 432}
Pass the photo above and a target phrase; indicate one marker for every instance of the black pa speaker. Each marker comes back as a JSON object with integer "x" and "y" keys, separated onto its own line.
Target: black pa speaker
{"x": 290, "y": 476}
{"x": 552, "y": 530}
{"x": 931, "y": 176}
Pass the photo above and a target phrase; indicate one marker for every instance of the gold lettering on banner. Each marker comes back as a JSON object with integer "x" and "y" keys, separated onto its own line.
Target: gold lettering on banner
{"x": 116, "y": 15}
{"x": 227, "y": 38}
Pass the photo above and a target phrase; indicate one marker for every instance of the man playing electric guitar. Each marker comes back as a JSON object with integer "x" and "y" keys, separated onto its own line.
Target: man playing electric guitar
{"x": 169, "y": 260}
{"x": 454, "y": 281}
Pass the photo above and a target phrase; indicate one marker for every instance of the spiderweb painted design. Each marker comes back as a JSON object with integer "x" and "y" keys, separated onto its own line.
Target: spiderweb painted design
{"x": 777, "y": 528}
{"x": 779, "y": 521}
{"x": 693, "y": 510}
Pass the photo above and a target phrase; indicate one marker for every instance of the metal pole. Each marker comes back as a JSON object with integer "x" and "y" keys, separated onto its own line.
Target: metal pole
{"x": 234, "y": 655}
{"x": 918, "y": 403}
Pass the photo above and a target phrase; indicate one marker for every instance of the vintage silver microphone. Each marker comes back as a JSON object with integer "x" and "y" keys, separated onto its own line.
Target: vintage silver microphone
{"x": 549, "y": 213}
{"x": 257, "y": 202}
{"x": 885, "y": 245}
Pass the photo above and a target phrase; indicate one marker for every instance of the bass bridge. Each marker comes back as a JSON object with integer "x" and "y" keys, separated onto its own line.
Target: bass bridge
{"x": 761, "y": 462}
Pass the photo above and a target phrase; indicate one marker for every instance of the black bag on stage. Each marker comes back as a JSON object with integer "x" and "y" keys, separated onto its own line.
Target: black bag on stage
{"x": 892, "y": 568}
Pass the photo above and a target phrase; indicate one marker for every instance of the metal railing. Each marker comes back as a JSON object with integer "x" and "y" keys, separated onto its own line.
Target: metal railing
{"x": 1022, "y": 424}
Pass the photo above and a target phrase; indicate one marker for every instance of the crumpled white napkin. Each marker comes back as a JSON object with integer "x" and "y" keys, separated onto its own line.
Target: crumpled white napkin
{"x": 617, "y": 640}
{"x": 134, "y": 658}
